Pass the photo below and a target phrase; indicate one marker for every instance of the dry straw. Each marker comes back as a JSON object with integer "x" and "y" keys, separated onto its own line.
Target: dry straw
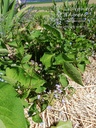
{"x": 80, "y": 108}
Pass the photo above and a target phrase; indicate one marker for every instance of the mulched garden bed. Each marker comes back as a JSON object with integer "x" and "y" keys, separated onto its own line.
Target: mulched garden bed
{"x": 79, "y": 107}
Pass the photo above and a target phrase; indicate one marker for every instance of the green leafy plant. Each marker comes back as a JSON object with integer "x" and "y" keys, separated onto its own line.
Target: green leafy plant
{"x": 63, "y": 124}
{"x": 79, "y": 17}
{"x": 9, "y": 15}
{"x": 33, "y": 63}
{"x": 11, "y": 109}
{"x": 35, "y": 72}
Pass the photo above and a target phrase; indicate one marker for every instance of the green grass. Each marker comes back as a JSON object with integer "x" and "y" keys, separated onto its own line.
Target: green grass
{"x": 44, "y": 8}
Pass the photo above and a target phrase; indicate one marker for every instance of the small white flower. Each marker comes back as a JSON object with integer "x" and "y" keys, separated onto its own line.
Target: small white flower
{"x": 63, "y": 101}
{"x": 49, "y": 107}
{"x": 38, "y": 96}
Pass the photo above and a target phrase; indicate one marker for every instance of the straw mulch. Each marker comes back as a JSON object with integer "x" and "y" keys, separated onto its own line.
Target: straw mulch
{"x": 80, "y": 108}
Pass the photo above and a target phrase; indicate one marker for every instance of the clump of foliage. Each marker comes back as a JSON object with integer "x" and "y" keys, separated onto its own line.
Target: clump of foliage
{"x": 78, "y": 17}
{"x": 32, "y": 65}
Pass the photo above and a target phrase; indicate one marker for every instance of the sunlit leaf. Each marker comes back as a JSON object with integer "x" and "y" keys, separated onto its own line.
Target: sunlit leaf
{"x": 11, "y": 109}
{"x": 44, "y": 105}
{"x": 54, "y": 31}
{"x": 3, "y": 51}
{"x": 37, "y": 82}
{"x": 40, "y": 89}
{"x": 2, "y": 124}
{"x": 36, "y": 118}
{"x": 46, "y": 59}
{"x": 59, "y": 59}
{"x": 63, "y": 80}
{"x": 63, "y": 124}
{"x": 26, "y": 58}
{"x": 35, "y": 34}
{"x": 81, "y": 67}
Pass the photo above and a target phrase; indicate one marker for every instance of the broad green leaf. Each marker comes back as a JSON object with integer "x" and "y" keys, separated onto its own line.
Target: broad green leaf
{"x": 86, "y": 60}
{"x": 37, "y": 82}
{"x": 40, "y": 89}
{"x": 71, "y": 56}
{"x": 12, "y": 44}
{"x": 9, "y": 80}
{"x": 72, "y": 72}
{"x": 36, "y": 118}
{"x": 81, "y": 67}
{"x": 12, "y": 72}
{"x": 33, "y": 109}
{"x": 35, "y": 34}
{"x": 2, "y": 124}
{"x": 21, "y": 76}
{"x": 53, "y": 30}
{"x": 46, "y": 59}
{"x": 26, "y": 58}
{"x": 59, "y": 60}
{"x": 63, "y": 80}
{"x": 67, "y": 58}
{"x": 11, "y": 75}
{"x": 3, "y": 51}
{"x": 11, "y": 109}
{"x": 24, "y": 103}
{"x": 44, "y": 105}
{"x": 20, "y": 50}
{"x": 63, "y": 124}
{"x": 17, "y": 74}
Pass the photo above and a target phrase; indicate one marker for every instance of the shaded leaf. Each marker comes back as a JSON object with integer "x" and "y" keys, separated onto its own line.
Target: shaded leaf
{"x": 33, "y": 109}
{"x": 44, "y": 105}
{"x": 3, "y": 51}
{"x": 36, "y": 118}
{"x": 72, "y": 72}
{"x": 81, "y": 67}
{"x": 53, "y": 30}
{"x": 63, "y": 124}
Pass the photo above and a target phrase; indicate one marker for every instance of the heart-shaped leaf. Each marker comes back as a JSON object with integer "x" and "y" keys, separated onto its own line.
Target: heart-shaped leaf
{"x": 63, "y": 80}
{"x": 46, "y": 59}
